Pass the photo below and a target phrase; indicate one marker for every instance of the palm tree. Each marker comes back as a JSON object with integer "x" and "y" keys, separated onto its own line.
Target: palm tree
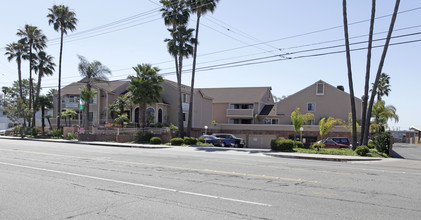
{"x": 44, "y": 102}
{"x": 326, "y": 124}
{"x": 44, "y": 66}
{"x": 200, "y": 7}
{"x": 298, "y": 120}
{"x": 381, "y": 114}
{"x": 145, "y": 87}
{"x": 63, "y": 20}
{"x": 350, "y": 82}
{"x": 120, "y": 104}
{"x": 383, "y": 88}
{"x": 368, "y": 67}
{"x": 181, "y": 46}
{"x": 17, "y": 51}
{"x": 91, "y": 72}
{"x": 35, "y": 40}
{"x": 176, "y": 13}
{"x": 379, "y": 70}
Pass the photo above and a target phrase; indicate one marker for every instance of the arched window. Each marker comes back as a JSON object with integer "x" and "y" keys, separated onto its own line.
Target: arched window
{"x": 136, "y": 115}
{"x": 150, "y": 115}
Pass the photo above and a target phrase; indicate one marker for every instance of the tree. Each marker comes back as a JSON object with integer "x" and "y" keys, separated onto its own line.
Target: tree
{"x": 350, "y": 82}
{"x": 91, "y": 72}
{"x": 381, "y": 114}
{"x": 63, "y": 20}
{"x": 17, "y": 51}
{"x": 145, "y": 87}
{"x": 200, "y": 7}
{"x": 298, "y": 120}
{"x": 68, "y": 113}
{"x": 120, "y": 104}
{"x": 326, "y": 125}
{"x": 43, "y": 65}
{"x": 176, "y": 13}
{"x": 181, "y": 46}
{"x": 383, "y": 87}
{"x": 36, "y": 40}
{"x": 45, "y": 102}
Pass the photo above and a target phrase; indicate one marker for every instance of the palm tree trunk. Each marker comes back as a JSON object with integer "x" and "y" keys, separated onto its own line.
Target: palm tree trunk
{"x": 36, "y": 98}
{"x": 20, "y": 78}
{"x": 30, "y": 84}
{"x": 42, "y": 120}
{"x": 351, "y": 85}
{"x": 190, "y": 119}
{"x": 180, "y": 105}
{"x": 59, "y": 82}
{"x": 88, "y": 86}
{"x": 379, "y": 70}
{"x": 367, "y": 74}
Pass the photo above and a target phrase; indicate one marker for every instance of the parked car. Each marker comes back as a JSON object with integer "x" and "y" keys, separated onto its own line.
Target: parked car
{"x": 215, "y": 141}
{"x": 332, "y": 144}
{"x": 340, "y": 140}
{"x": 231, "y": 140}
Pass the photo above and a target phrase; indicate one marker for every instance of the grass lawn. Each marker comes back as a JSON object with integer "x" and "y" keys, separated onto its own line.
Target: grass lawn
{"x": 347, "y": 152}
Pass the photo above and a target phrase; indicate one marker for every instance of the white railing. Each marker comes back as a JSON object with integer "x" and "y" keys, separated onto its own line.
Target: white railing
{"x": 249, "y": 113}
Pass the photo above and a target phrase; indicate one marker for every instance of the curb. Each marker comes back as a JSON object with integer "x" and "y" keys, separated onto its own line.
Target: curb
{"x": 336, "y": 159}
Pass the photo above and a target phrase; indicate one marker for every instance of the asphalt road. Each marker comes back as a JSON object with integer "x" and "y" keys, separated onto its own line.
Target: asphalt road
{"x": 407, "y": 151}
{"x": 69, "y": 181}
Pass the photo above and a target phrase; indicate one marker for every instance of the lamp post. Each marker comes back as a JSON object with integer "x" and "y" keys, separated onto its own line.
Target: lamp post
{"x": 301, "y": 134}
{"x": 206, "y": 129}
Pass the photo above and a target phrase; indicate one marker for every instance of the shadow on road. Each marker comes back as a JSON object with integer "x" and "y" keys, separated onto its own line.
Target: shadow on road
{"x": 215, "y": 149}
{"x": 396, "y": 155}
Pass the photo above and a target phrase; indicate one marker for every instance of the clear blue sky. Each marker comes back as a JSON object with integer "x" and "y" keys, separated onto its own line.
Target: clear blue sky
{"x": 237, "y": 31}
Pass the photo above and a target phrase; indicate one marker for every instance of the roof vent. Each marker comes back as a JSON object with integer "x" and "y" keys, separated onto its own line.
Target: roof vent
{"x": 341, "y": 88}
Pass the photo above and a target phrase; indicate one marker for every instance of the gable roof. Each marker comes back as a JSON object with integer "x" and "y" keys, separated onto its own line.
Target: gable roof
{"x": 236, "y": 94}
{"x": 115, "y": 86}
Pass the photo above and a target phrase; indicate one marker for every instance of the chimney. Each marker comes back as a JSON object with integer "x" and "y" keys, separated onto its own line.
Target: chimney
{"x": 341, "y": 88}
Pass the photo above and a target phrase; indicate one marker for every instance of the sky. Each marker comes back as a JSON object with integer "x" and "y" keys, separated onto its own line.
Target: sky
{"x": 243, "y": 43}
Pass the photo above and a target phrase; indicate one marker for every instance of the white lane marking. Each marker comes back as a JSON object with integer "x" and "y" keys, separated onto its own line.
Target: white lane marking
{"x": 137, "y": 184}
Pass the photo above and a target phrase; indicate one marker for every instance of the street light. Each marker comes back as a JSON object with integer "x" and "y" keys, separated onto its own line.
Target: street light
{"x": 206, "y": 129}
{"x": 301, "y": 134}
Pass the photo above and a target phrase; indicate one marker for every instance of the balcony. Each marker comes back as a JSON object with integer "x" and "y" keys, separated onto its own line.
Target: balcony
{"x": 240, "y": 113}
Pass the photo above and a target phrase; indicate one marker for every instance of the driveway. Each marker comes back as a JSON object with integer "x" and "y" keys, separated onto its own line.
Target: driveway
{"x": 407, "y": 151}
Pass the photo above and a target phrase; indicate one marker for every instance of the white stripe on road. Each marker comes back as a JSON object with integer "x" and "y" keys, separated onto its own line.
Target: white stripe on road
{"x": 136, "y": 184}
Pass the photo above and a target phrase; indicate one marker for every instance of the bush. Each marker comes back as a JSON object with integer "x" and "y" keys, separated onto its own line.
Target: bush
{"x": 70, "y": 136}
{"x": 140, "y": 137}
{"x": 362, "y": 150}
{"x": 177, "y": 141}
{"x": 155, "y": 140}
{"x": 318, "y": 145}
{"x": 282, "y": 145}
{"x": 201, "y": 140}
{"x": 299, "y": 144}
{"x": 382, "y": 142}
{"x": 34, "y": 132}
{"x": 190, "y": 141}
{"x": 371, "y": 144}
{"x": 57, "y": 133}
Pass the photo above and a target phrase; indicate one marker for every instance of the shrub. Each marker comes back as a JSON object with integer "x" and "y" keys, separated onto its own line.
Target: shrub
{"x": 371, "y": 144}
{"x": 318, "y": 145}
{"x": 382, "y": 142}
{"x": 201, "y": 140}
{"x": 155, "y": 140}
{"x": 140, "y": 137}
{"x": 70, "y": 136}
{"x": 299, "y": 144}
{"x": 177, "y": 141}
{"x": 362, "y": 150}
{"x": 57, "y": 133}
{"x": 34, "y": 132}
{"x": 190, "y": 141}
{"x": 16, "y": 129}
{"x": 282, "y": 145}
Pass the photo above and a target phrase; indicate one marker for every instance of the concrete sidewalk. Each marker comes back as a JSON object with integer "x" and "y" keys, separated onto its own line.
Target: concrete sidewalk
{"x": 268, "y": 152}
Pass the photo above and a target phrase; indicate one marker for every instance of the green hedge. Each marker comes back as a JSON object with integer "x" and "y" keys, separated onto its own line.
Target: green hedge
{"x": 141, "y": 137}
{"x": 190, "y": 141}
{"x": 362, "y": 150}
{"x": 382, "y": 142}
{"x": 201, "y": 140}
{"x": 282, "y": 145}
{"x": 177, "y": 141}
{"x": 155, "y": 140}
{"x": 299, "y": 144}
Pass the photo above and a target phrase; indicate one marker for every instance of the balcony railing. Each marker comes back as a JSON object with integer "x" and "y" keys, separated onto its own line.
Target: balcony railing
{"x": 241, "y": 113}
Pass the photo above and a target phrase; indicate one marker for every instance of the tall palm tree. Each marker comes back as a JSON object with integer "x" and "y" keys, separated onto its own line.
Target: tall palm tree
{"x": 44, "y": 66}
{"x": 181, "y": 46}
{"x": 91, "y": 72}
{"x": 63, "y": 19}
{"x": 379, "y": 70}
{"x": 17, "y": 51}
{"x": 176, "y": 13}
{"x": 350, "y": 82}
{"x": 383, "y": 88}
{"x": 35, "y": 40}
{"x": 200, "y": 7}
{"x": 145, "y": 87}
{"x": 368, "y": 67}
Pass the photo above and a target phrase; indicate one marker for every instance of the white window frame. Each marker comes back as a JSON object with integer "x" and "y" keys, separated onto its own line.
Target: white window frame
{"x": 317, "y": 89}
{"x": 314, "y": 106}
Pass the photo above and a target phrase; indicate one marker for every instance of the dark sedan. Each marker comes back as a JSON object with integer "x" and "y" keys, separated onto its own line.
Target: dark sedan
{"x": 215, "y": 141}
{"x": 332, "y": 144}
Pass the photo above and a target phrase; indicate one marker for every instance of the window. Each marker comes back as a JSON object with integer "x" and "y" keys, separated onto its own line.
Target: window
{"x": 185, "y": 98}
{"x": 240, "y": 121}
{"x": 320, "y": 89}
{"x": 241, "y": 106}
{"x": 311, "y": 107}
{"x": 184, "y": 116}
{"x": 272, "y": 121}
